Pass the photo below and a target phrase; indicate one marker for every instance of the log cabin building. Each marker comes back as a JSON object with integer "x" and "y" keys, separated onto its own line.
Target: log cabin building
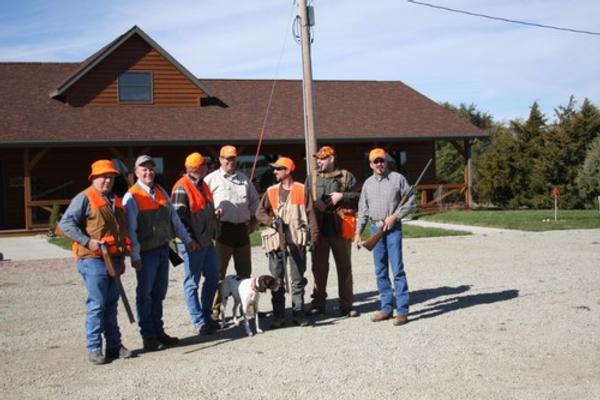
{"x": 131, "y": 98}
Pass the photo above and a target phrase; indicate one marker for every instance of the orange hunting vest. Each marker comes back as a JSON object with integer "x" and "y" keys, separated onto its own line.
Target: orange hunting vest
{"x": 203, "y": 223}
{"x": 154, "y": 227}
{"x": 106, "y": 225}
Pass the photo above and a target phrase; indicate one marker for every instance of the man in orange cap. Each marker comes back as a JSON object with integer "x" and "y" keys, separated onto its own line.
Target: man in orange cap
{"x": 380, "y": 202}
{"x": 287, "y": 211}
{"x": 194, "y": 204}
{"x": 152, "y": 222}
{"x": 94, "y": 217}
{"x": 236, "y": 196}
{"x": 335, "y": 209}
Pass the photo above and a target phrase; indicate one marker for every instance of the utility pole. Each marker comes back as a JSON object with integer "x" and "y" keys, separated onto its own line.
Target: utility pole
{"x": 310, "y": 134}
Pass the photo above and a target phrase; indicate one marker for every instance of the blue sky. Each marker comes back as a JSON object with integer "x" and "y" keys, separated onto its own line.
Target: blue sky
{"x": 502, "y": 68}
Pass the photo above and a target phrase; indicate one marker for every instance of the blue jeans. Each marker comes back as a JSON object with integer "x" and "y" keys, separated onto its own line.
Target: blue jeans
{"x": 388, "y": 252}
{"x": 152, "y": 283}
{"x": 199, "y": 263}
{"x": 101, "y": 303}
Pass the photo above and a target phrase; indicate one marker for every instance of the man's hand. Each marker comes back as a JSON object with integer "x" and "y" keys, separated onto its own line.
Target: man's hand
{"x": 336, "y": 197}
{"x": 389, "y": 223}
{"x": 218, "y": 212}
{"x": 94, "y": 244}
{"x": 252, "y": 225}
{"x": 357, "y": 241}
{"x": 193, "y": 246}
{"x": 137, "y": 264}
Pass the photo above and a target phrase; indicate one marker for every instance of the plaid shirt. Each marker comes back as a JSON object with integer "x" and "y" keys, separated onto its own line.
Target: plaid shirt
{"x": 381, "y": 198}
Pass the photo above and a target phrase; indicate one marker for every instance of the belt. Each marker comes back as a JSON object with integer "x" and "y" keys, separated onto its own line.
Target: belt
{"x": 234, "y": 224}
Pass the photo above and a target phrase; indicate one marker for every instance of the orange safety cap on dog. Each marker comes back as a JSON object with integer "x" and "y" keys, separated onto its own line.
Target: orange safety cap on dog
{"x": 376, "y": 153}
{"x": 228, "y": 151}
{"x": 194, "y": 160}
{"x": 102, "y": 167}
{"x": 324, "y": 152}
{"x": 284, "y": 162}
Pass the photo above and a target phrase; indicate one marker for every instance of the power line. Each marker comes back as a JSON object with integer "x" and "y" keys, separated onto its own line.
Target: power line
{"x": 513, "y": 21}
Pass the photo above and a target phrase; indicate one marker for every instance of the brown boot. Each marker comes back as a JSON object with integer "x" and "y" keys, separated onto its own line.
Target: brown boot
{"x": 400, "y": 320}
{"x": 380, "y": 316}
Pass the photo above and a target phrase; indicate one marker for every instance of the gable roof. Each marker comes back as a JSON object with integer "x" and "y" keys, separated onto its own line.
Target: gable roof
{"x": 345, "y": 110}
{"x": 104, "y": 52}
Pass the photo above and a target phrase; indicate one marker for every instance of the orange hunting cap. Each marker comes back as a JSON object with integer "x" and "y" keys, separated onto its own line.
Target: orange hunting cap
{"x": 102, "y": 167}
{"x": 228, "y": 151}
{"x": 324, "y": 152}
{"x": 377, "y": 153}
{"x": 284, "y": 162}
{"x": 194, "y": 160}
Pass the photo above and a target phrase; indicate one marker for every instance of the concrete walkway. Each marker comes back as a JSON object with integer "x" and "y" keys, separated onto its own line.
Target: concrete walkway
{"x": 476, "y": 230}
{"x": 30, "y": 248}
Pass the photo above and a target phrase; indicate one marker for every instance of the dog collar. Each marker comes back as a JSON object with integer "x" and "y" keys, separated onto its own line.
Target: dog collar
{"x": 254, "y": 284}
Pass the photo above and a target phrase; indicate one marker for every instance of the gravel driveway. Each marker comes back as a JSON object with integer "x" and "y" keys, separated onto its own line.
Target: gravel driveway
{"x": 504, "y": 315}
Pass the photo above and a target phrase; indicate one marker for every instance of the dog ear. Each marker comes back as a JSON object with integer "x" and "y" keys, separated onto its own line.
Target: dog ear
{"x": 275, "y": 284}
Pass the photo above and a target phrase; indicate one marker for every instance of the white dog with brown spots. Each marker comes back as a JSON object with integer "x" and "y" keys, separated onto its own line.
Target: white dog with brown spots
{"x": 245, "y": 293}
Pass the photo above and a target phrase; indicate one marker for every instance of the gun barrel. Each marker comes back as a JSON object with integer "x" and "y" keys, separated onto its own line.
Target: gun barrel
{"x": 113, "y": 273}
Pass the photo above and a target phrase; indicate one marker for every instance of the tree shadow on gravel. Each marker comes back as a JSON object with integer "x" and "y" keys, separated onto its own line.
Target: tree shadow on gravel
{"x": 460, "y": 302}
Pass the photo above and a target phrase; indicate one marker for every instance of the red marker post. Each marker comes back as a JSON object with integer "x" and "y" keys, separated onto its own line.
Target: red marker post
{"x": 555, "y": 196}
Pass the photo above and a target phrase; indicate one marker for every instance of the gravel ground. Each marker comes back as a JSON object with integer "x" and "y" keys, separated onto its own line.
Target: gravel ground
{"x": 494, "y": 316}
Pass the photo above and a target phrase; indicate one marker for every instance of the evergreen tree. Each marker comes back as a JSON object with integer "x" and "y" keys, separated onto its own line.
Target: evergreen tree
{"x": 588, "y": 178}
{"x": 450, "y": 165}
{"x": 565, "y": 150}
{"x": 529, "y": 180}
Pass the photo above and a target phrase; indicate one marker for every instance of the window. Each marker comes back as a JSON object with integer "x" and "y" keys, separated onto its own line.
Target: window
{"x": 135, "y": 87}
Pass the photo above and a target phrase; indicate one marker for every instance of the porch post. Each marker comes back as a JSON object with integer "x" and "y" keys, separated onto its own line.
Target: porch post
{"x": 468, "y": 174}
{"x": 27, "y": 190}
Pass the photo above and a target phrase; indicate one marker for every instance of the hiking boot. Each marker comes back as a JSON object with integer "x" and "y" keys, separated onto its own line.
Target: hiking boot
{"x": 213, "y": 324}
{"x": 349, "y": 313}
{"x": 300, "y": 319}
{"x": 96, "y": 357}
{"x": 167, "y": 340}
{"x": 400, "y": 320}
{"x": 152, "y": 344}
{"x": 118, "y": 352}
{"x": 205, "y": 329}
{"x": 278, "y": 322}
{"x": 380, "y": 316}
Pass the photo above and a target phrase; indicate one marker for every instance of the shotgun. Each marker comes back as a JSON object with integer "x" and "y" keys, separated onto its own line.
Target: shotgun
{"x": 174, "y": 257}
{"x": 282, "y": 246}
{"x": 113, "y": 274}
{"x": 374, "y": 238}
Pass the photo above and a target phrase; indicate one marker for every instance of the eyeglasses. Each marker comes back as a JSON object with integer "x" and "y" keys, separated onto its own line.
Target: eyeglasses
{"x": 378, "y": 161}
{"x": 279, "y": 168}
{"x": 229, "y": 159}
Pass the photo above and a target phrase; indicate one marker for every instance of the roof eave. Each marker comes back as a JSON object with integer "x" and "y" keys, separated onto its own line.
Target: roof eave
{"x": 109, "y": 49}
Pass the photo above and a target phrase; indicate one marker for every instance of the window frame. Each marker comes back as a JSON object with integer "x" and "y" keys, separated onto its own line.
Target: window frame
{"x": 150, "y": 101}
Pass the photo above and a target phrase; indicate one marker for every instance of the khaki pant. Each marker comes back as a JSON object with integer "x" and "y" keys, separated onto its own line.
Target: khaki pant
{"x": 242, "y": 258}
{"x": 320, "y": 269}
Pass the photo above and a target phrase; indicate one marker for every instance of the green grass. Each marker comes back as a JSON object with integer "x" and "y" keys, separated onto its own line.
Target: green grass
{"x": 61, "y": 242}
{"x": 408, "y": 232}
{"x": 525, "y": 220}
